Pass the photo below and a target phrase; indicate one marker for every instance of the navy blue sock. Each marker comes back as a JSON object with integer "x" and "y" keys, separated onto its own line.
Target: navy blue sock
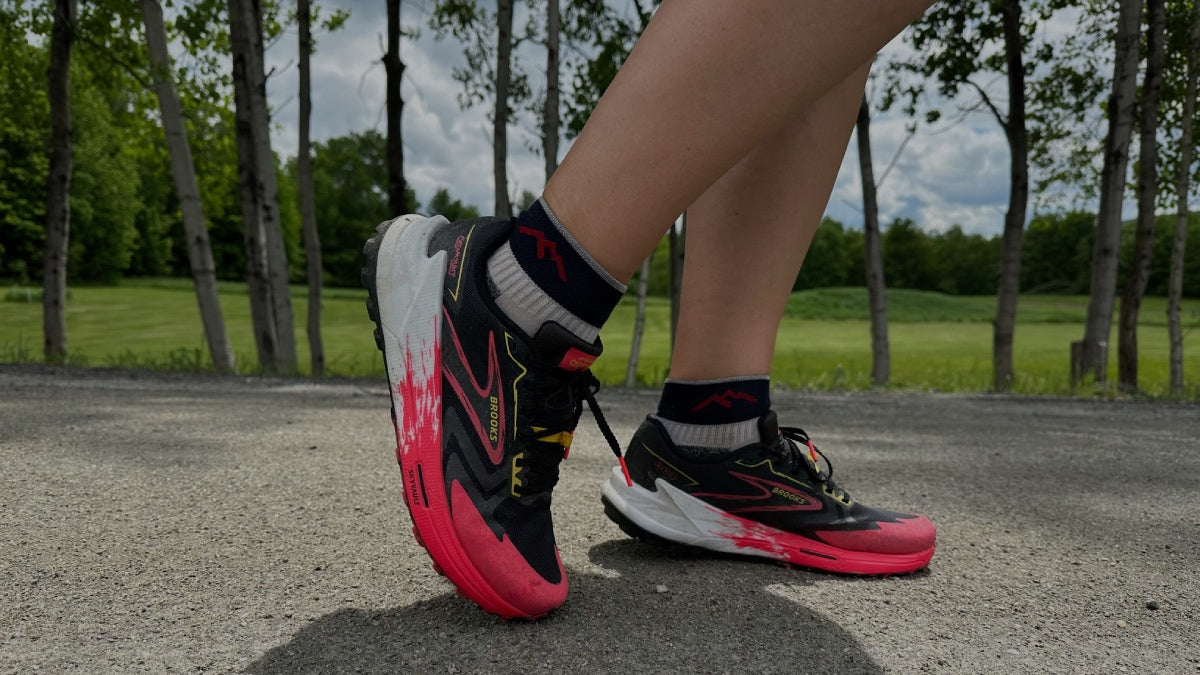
{"x": 714, "y": 416}
{"x": 545, "y": 275}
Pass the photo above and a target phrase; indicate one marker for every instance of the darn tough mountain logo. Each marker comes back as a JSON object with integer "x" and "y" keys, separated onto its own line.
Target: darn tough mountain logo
{"x": 725, "y": 399}
{"x": 545, "y": 248}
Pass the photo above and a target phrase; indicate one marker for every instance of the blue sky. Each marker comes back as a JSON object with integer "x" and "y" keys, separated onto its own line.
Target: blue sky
{"x": 954, "y": 175}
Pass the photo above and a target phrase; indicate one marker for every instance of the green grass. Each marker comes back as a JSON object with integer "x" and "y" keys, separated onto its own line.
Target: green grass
{"x": 938, "y": 342}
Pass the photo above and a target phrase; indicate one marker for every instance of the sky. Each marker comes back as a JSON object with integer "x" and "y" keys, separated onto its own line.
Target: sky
{"x": 953, "y": 175}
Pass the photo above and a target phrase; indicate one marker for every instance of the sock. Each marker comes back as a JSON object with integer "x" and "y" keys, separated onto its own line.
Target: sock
{"x": 544, "y": 275}
{"x": 709, "y": 418}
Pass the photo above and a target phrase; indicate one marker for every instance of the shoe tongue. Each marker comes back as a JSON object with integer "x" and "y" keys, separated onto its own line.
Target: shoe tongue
{"x": 560, "y": 347}
{"x": 768, "y": 427}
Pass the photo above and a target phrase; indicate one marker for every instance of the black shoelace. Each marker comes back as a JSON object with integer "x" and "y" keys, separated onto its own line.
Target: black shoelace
{"x": 788, "y": 448}
{"x": 548, "y": 428}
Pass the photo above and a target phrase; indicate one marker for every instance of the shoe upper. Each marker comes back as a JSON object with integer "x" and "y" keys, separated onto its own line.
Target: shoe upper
{"x": 510, "y": 403}
{"x": 779, "y": 482}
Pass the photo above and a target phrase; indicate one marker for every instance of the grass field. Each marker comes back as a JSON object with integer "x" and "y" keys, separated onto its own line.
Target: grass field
{"x": 938, "y": 342}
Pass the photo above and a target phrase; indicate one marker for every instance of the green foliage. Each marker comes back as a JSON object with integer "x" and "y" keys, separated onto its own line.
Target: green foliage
{"x": 830, "y": 260}
{"x": 595, "y": 26}
{"x": 907, "y": 256}
{"x": 474, "y": 26}
{"x": 452, "y": 209}
{"x": 24, "y": 115}
{"x": 1056, "y": 253}
{"x": 350, "y": 192}
{"x": 965, "y": 264}
{"x": 104, "y": 188}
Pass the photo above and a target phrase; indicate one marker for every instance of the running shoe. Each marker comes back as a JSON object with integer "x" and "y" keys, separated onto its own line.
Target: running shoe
{"x": 770, "y": 499}
{"x": 483, "y": 414}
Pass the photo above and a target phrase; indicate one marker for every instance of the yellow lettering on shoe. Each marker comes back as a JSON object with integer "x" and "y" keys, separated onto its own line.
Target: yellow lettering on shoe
{"x": 493, "y": 419}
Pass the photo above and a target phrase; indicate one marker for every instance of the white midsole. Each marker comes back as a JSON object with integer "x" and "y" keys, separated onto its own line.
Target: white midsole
{"x": 675, "y": 515}
{"x": 408, "y": 289}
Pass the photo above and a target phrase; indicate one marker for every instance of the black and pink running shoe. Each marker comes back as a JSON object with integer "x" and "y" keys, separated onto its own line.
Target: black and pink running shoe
{"x": 770, "y": 499}
{"x": 483, "y": 413}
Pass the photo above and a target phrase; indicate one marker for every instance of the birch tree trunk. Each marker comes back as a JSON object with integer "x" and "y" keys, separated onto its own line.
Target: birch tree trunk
{"x": 1094, "y": 348}
{"x": 397, "y": 188}
{"x": 639, "y": 323}
{"x": 183, "y": 170}
{"x": 1009, "y": 285}
{"x": 266, "y": 258}
{"x": 58, "y": 183}
{"x": 1182, "y": 187}
{"x": 550, "y": 105}
{"x": 873, "y": 252}
{"x": 308, "y": 217}
{"x": 675, "y": 244}
{"x": 1143, "y": 245}
{"x": 504, "y": 18}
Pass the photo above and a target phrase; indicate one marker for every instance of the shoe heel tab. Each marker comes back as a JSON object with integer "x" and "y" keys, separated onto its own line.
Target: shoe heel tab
{"x": 559, "y": 347}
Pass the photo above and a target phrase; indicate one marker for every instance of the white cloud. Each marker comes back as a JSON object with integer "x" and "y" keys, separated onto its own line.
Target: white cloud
{"x": 956, "y": 176}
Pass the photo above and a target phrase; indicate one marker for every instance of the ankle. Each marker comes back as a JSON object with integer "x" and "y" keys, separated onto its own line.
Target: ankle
{"x": 543, "y": 275}
{"x": 714, "y": 416}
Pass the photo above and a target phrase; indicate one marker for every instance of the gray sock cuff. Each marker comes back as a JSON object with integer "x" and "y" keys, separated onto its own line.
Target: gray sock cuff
{"x": 718, "y": 436}
{"x": 527, "y": 305}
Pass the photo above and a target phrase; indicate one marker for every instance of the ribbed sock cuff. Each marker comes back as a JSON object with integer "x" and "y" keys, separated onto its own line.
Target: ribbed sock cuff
{"x": 722, "y": 401}
{"x": 556, "y": 263}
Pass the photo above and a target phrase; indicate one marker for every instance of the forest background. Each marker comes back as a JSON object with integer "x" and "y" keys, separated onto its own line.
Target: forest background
{"x": 125, "y": 213}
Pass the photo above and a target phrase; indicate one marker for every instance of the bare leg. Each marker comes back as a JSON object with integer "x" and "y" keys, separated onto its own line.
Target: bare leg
{"x": 709, "y": 81}
{"x": 748, "y": 234}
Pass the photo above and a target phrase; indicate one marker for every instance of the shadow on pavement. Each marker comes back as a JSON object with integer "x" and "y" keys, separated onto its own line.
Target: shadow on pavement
{"x": 716, "y": 615}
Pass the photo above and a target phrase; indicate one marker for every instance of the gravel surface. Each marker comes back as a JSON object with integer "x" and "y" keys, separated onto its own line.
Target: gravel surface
{"x": 167, "y": 523}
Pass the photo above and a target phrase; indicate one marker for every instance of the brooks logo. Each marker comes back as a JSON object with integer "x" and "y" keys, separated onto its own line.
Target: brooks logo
{"x": 452, "y": 268}
{"x": 493, "y": 419}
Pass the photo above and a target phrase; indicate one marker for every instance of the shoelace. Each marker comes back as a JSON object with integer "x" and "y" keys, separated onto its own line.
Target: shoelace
{"x": 789, "y": 447}
{"x": 548, "y": 442}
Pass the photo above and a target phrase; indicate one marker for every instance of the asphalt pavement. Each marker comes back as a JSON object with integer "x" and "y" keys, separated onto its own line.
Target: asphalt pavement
{"x": 169, "y": 523}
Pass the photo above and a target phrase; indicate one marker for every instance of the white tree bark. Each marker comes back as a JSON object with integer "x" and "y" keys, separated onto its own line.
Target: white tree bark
{"x": 1094, "y": 354}
{"x": 183, "y": 170}
{"x": 308, "y": 217}
{"x": 266, "y": 256}
{"x": 1182, "y": 187}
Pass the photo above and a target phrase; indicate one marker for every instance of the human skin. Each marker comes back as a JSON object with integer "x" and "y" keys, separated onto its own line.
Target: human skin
{"x": 708, "y": 83}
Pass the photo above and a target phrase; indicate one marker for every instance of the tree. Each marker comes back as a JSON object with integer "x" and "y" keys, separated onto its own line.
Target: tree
{"x": 267, "y": 269}
{"x": 488, "y": 44}
{"x": 58, "y": 191}
{"x": 397, "y": 189}
{"x": 1093, "y": 351}
{"x": 451, "y": 209}
{"x": 1182, "y": 187}
{"x": 550, "y": 106}
{"x": 907, "y": 256}
{"x": 304, "y": 171}
{"x": 872, "y": 252}
{"x": 350, "y": 196}
{"x": 953, "y": 42}
{"x": 827, "y": 262}
{"x": 1139, "y": 270}
{"x": 639, "y": 323}
{"x": 1057, "y": 253}
{"x": 24, "y": 136}
{"x": 188, "y": 190}
{"x": 504, "y": 46}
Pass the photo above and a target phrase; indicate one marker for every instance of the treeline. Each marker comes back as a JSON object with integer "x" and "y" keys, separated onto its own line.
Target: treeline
{"x": 1088, "y": 113}
{"x": 1056, "y": 257}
